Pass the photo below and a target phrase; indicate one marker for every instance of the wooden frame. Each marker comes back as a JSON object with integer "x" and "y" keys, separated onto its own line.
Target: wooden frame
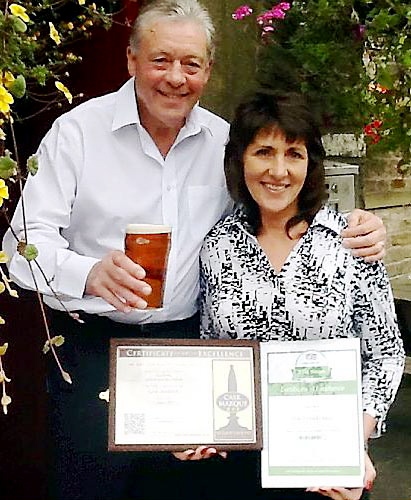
{"x": 189, "y": 387}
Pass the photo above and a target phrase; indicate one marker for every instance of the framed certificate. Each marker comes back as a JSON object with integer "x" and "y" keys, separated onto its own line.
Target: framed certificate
{"x": 312, "y": 414}
{"x": 179, "y": 394}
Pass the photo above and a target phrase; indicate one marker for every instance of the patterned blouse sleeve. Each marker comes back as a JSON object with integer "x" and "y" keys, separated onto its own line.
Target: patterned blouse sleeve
{"x": 207, "y": 283}
{"x": 382, "y": 350}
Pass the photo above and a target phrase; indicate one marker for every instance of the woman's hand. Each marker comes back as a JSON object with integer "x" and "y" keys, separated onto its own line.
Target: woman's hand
{"x": 200, "y": 453}
{"x": 365, "y": 235}
{"x": 350, "y": 493}
{"x": 339, "y": 493}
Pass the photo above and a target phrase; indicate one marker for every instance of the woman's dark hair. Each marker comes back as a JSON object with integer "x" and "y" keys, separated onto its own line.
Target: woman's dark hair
{"x": 291, "y": 115}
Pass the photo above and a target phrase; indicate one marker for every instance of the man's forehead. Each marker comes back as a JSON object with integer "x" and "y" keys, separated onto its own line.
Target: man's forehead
{"x": 171, "y": 35}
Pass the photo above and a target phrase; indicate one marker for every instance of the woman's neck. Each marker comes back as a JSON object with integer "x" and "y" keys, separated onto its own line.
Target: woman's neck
{"x": 276, "y": 242}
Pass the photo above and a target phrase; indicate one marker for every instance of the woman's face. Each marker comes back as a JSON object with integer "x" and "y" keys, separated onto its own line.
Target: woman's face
{"x": 274, "y": 172}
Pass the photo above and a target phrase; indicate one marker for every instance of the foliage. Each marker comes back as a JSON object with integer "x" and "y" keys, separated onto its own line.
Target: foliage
{"x": 387, "y": 75}
{"x": 36, "y": 47}
{"x": 353, "y": 58}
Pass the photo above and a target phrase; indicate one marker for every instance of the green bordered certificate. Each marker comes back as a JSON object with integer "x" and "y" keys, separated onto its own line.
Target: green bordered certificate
{"x": 312, "y": 414}
{"x": 171, "y": 395}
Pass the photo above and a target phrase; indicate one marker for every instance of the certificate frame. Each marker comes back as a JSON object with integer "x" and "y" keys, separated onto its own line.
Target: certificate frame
{"x": 168, "y": 373}
{"x": 312, "y": 414}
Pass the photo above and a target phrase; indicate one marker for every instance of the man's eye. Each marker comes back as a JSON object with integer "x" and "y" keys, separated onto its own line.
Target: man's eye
{"x": 192, "y": 67}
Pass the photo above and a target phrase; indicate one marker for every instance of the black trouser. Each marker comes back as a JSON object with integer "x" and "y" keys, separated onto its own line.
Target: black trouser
{"x": 80, "y": 466}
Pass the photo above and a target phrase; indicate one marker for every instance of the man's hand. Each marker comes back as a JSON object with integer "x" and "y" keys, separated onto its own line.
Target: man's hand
{"x": 365, "y": 235}
{"x": 118, "y": 280}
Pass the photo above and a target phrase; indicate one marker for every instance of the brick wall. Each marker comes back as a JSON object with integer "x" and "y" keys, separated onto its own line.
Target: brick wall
{"x": 388, "y": 194}
{"x": 383, "y": 191}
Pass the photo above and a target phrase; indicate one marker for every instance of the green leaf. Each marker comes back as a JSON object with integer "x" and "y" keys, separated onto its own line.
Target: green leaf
{"x": 30, "y": 252}
{"x": 18, "y": 87}
{"x": 58, "y": 340}
{"x": 19, "y": 25}
{"x": 33, "y": 164}
{"x": 406, "y": 59}
{"x": 387, "y": 75}
{"x": 8, "y": 167}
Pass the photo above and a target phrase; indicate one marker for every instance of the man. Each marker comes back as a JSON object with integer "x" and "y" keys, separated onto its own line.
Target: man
{"x": 144, "y": 154}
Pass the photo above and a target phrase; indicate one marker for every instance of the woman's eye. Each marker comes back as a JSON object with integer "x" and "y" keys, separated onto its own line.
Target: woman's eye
{"x": 296, "y": 154}
{"x": 262, "y": 152}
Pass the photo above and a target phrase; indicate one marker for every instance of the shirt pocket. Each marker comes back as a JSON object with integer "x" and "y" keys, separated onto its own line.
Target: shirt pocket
{"x": 206, "y": 205}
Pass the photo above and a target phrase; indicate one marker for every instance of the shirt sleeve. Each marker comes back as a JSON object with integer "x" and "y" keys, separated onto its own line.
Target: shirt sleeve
{"x": 382, "y": 349}
{"x": 208, "y": 278}
{"x": 48, "y": 199}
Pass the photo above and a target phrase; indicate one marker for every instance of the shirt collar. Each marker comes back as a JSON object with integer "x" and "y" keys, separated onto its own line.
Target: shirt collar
{"x": 325, "y": 217}
{"x": 126, "y": 113}
{"x": 199, "y": 118}
{"x": 240, "y": 219}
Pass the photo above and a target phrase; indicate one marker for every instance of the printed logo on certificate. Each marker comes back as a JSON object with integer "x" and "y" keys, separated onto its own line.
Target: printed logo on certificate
{"x": 312, "y": 413}
{"x": 233, "y": 408}
{"x": 171, "y": 395}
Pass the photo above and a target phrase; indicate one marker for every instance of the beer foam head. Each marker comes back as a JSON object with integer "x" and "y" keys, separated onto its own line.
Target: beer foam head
{"x": 147, "y": 229}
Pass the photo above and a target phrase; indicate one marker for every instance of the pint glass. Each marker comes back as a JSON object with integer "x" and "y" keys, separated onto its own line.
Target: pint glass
{"x": 149, "y": 245}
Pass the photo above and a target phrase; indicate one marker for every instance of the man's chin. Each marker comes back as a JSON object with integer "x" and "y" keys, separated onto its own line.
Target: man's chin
{"x": 176, "y": 118}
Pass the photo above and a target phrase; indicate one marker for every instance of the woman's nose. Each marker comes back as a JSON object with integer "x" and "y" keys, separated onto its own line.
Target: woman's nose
{"x": 175, "y": 74}
{"x": 278, "y": 167}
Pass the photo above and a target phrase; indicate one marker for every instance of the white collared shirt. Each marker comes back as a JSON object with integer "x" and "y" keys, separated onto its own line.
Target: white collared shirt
{"x": 99, "y": 170}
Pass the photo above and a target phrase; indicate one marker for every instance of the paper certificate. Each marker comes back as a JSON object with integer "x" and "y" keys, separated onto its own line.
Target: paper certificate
{"x": 175, "y": 395}
{"x": 312, "y": 414}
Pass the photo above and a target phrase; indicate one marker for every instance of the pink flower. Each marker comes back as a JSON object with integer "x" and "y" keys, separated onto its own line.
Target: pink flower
{"x": 284, "y": 6}
{"x": 267, "y": 20}
{"x": 241, "y": 12}
{"x": 276, "y": 12}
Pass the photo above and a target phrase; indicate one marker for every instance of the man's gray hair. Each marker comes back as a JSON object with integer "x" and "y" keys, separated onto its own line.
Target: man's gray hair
{"x": 176, "y": 10}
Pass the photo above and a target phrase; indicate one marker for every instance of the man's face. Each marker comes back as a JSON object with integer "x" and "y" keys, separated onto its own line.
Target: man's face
{"x": 171, "y": 67}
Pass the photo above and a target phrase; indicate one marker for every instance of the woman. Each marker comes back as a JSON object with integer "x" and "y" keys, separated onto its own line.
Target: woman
{"x": 275, "y": 268}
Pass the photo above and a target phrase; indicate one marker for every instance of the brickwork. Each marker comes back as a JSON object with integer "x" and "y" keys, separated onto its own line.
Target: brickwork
{"x": 386, "y": 193}
{"x": 397, "y": 220}
{"x": 382, "y": 185}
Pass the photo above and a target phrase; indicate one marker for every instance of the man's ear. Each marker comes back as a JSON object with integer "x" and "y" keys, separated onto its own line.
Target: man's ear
{"x": 131, "y": 61}
{"x": 209, "y": 67}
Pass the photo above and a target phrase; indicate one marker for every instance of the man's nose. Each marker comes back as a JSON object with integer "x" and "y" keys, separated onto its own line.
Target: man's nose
{"x": 175, "y": 74}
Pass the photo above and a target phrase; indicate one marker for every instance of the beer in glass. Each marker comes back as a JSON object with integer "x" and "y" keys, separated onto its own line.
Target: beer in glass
{"x": 149, "y": 245}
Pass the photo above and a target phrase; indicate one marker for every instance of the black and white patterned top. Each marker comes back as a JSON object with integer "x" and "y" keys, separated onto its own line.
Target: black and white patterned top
{"x": 321, "y": 292}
